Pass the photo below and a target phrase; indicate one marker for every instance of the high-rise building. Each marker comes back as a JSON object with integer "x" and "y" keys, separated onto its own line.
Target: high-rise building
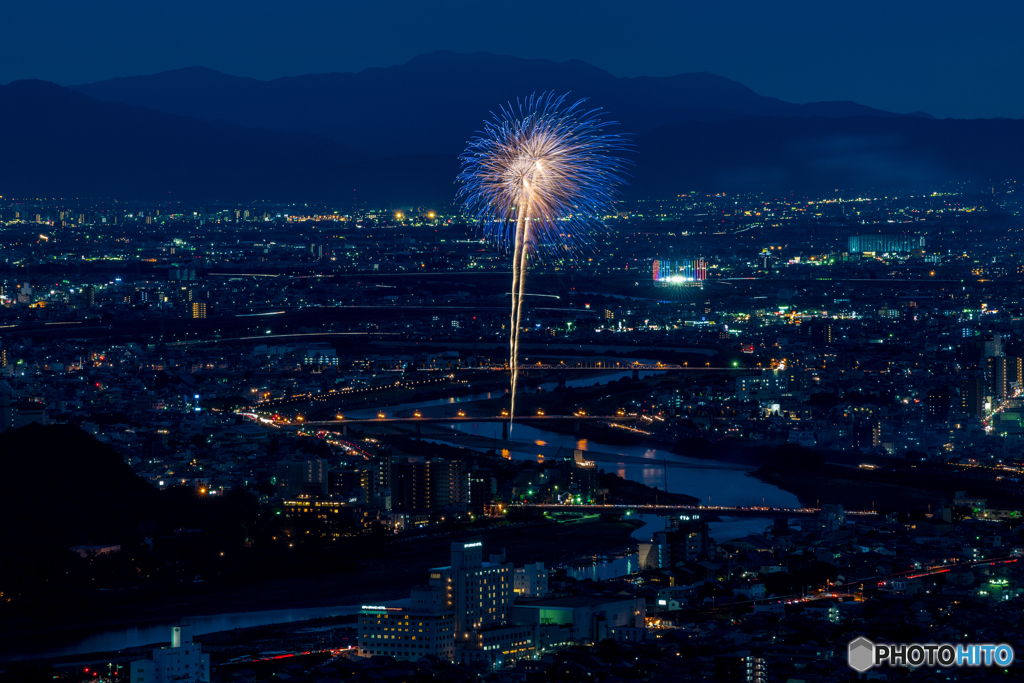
{"x": 464, "y": 615}
{"x": 289, "y": 479}
{"x": 351, "y": 483}
{"x": 410, "y": 484}
{"x": 684, "y": 540}
{"x": 89, "y": 296}
{"x": 1014, "y": 373}
{"x": 316, "y": 472}
{"x": 198, "y": 309}
{"x": 583, "y": 476}
{"x": 993, "y": 345}
{"x": 867, "y": 434}
{"x": 479, "y": 593}
{"x": 972, "y": 396}
{"x": 449, "y": 484}
{"x": 430, "y": 484}
{"x": 381, "y": 475}
{"x": 1005, "y": 373}
{"x": 309, "y": 476}
{"x": 482, "y": 486}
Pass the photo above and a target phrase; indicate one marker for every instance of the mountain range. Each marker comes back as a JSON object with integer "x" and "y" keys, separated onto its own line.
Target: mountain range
{"x": 433, "y": 103}
{"x": 393, "y": 134}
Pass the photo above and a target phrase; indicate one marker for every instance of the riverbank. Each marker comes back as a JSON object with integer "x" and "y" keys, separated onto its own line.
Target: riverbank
{"x": 403, "y": 564}
{"x": 316, "y": 634}
{"x": 900, "y": 486}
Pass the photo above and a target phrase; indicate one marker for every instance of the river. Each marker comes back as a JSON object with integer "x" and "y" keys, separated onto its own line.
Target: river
{"x": 603, "y": 569}
{"x": 159, "y": 631}
{"x": 714, "y": 483}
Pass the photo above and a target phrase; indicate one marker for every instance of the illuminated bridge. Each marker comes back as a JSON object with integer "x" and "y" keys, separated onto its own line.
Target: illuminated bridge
{"x": 560, "y": 368}
{"x": 328, "y": 424}
{"x": 606, "y": 366}
{"x": 724, "y": 511}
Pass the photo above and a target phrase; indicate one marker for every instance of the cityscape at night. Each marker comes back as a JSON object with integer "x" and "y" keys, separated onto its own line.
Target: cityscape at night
{"x": 637, "y": 377}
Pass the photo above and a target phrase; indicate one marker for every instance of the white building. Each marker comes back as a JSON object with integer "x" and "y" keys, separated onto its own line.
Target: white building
{"x": 531, "y": 580}
{"x": 425, "y": 628}
{"x": 463, "y": 615}
{"x": 182, "y": 662}
{"x": 479, "y": 593}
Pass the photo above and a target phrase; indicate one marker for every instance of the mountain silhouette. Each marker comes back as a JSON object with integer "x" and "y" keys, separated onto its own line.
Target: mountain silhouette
{"x": 820, "y": 154}
{"x": 90, "y": 495}
{"x": 57, "y": 142}
{"x": 433, "y": 103}
{"x": 393, "y": 135}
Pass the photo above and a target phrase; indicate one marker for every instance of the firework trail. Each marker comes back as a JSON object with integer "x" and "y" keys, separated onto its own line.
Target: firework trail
{"x": 538, "y": 178}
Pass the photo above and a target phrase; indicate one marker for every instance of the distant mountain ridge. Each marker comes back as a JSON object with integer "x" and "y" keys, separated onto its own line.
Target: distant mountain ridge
{"x": 57, "y": 142}
{"x": 393, "y": 135}
{"x": 433, "y": 103}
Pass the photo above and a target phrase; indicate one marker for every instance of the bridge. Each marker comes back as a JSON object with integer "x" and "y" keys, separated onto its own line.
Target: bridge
{"x": 724, "y": 511}
{"x": 338, "y": 424}
{"x": 560, "y": 368}
{"x": 464, "y": 418}
{"x": 605, "y": 366}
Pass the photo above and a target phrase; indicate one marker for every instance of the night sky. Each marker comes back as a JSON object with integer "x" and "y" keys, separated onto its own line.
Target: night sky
{"x": 944, "y": 57}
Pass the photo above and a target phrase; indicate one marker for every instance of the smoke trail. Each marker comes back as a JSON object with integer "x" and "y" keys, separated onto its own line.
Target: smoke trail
{"x": 517, "y": 297}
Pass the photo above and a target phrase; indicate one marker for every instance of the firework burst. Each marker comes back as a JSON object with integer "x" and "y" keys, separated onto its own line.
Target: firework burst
{"x": 538, "y": 178}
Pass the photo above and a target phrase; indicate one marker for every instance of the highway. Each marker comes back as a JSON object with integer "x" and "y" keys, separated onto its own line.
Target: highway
{"x": 835, "y": 591}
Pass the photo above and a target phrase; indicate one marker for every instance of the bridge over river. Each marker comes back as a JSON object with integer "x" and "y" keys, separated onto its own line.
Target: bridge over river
{"x": 333, "y": 424}
{"x": 719, "y": 510}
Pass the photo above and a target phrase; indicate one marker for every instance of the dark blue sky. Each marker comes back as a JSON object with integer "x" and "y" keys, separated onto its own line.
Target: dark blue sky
{"x": 948, "y": 58}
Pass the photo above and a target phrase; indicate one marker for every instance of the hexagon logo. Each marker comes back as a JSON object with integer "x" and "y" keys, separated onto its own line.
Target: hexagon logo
{"x": 861, "y": 654}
